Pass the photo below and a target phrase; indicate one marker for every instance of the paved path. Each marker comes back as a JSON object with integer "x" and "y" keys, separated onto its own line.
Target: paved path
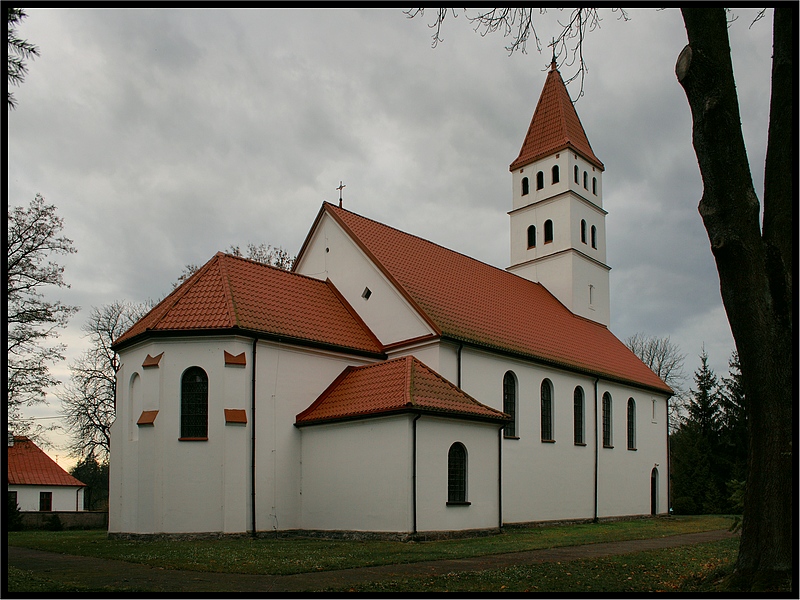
{"x": 98, "y": 572}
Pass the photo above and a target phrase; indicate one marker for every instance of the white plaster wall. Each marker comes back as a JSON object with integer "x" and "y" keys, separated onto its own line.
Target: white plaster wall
{"x": 357, "y": 475}
{"x": 65, "y": 498}
{"x": 332, "y": 254}
{"x": 435, "y": 436}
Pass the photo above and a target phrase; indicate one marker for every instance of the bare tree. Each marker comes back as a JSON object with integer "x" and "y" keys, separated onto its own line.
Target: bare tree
{"x": 88, "y": 399}
{"x": 19, "y": 50}
{"x": 32, "y": 241}
{"x": 274, "y": 256}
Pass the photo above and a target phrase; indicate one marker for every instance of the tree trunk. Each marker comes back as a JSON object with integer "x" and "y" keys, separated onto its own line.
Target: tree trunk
{"x": 755, "y": 271}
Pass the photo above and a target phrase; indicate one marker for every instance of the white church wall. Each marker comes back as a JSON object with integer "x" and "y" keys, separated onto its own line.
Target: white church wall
{"x": 332, "y": 254}
{"x": 357, "y": 475}
{"x": 63, "y": 498}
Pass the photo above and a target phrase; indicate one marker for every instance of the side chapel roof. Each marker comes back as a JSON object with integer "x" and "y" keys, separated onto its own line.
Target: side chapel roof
{"x": 29, "y": 465}
{"x": 399, "y": 385}
{"x": 555, "y": 126}
{"x": 231, "y": 293}
{"x": 470, "y": 301}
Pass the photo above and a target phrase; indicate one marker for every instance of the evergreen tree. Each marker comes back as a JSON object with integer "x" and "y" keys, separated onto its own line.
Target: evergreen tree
{"x": 704, "y": 402}
{"x": 95, "y": 475}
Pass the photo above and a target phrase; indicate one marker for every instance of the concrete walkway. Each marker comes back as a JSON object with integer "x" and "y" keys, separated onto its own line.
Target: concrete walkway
{"x": 96, "y": 572}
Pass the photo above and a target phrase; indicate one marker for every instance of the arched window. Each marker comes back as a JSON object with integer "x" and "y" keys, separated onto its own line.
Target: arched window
{"x": 554, "y": 174}
{"x": 631, "y": 424}
{"x": 539, "y": 180}
{"x": 194, "y": 404}
{"x": 577, "y": 404}
{"x": 594, "y": 237}
{"x": 532, "y": 236}
{"x": 547, "y": 411}
{"x": 594, "y": 185}
{"x": 576, "y": 174}
{"x": 525, "y": 188}
{"x": 457, "y": 474}
{"x": 548, "y": 231}
{"x": 583, "y": 230}
{"x": 510, "y": 403}
{"x": 607, "y": 439}
{"x": 585, "y": 180}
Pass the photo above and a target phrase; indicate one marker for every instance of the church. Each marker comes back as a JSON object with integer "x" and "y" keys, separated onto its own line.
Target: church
{"x": 389, "y": 386}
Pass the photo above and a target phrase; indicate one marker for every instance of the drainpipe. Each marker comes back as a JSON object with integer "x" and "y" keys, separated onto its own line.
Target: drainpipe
{"x": 500, "y": 478}
{"x": 596, "y": 449}
{"x": 253, "y": 442}
{"x": 414, "y": 471}
{"x": 458, "y": 364}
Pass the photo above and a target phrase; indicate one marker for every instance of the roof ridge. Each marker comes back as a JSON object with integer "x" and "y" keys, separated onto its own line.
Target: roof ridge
{"x": 233, "y": 314}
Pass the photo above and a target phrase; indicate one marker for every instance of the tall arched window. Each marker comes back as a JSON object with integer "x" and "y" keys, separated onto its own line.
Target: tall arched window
{"x": 525, "y": 188}
{"x": 547, "y": 411}
{"x": 539, "y": 180}
{"x": 532, "y": 236}
{"x": 554, "y": 174}
{"x": 194, "y": 404}
{"x": 594, "y": 237}
{"x": 583, "y": 230}
{"x": 548, "y": 231}
{"x": 585, "y": 180}
{"x": 457, "y": 474}
{"x": 578, "y": 418}
{"x": 631, "y": 424}
{"x": 607, "y": 433}
{"x": 510, "y": 403}
{"x": 576, "y": 174}
{"x": 594, "y": 185}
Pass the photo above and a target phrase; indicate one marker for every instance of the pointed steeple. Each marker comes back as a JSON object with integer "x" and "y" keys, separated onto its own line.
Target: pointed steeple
{"x": 555, "y": 126}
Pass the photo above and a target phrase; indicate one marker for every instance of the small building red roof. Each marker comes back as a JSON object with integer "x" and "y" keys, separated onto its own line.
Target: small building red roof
{"x": 555, "y": 126}
{"x": 29, "y": 465}
{"x": 398, "y": 385}
{"x": 230, "y": 293}
{"x": 470, "y": 301}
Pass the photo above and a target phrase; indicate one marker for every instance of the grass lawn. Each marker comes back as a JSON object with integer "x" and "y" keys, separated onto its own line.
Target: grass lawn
{"x": 287, "y": 556}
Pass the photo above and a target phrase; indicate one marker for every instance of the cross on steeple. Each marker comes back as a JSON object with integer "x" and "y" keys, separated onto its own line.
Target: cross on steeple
{"x": 340, "y": 188}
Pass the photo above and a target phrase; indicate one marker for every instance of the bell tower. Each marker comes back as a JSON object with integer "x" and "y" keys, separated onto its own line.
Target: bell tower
{"x": 558, "y": 233}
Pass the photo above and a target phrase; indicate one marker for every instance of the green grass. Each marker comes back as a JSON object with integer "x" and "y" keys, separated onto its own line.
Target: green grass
{"x": 22, "y": 581}
{"x": 288, "y": 556}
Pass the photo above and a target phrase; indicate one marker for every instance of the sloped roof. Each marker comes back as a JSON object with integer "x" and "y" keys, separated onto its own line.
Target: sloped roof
{"x": 473, "y": 302}
{"x": 555, "y": 126}
{"x": 29, "y": 465}
{"x": 398, "y": 385}
{"x": 234, "y": 293}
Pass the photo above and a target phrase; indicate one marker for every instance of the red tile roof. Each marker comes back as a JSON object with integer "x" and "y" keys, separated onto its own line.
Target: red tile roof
{"x": 229, "y": 293}
{"x": 398, "y": 385}
{"x": 555, "y": 126}
{"x": 473, "y": 302}
{"x": 29, "y": 465}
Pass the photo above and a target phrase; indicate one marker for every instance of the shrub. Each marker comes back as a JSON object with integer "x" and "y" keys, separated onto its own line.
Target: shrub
{"x": 53, "y": 523}
{"x": 684, "y": 506}
{"x": 13, "y": 515}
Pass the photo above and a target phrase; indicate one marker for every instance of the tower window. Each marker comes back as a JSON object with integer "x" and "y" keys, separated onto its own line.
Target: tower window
{"x": 548, "y": 231}
{"x": 585, "y": 180}
{"x": 594, "y": 185}
{"x": 576, "y": 174}
{"x": 583, "y": 230}
{"x": 532, "y": 236}
{"x": 539, "y": 180}
{"x": 554, "y": 174}
{"x": 594, "y": 237}
{"x": 525, "y": 189}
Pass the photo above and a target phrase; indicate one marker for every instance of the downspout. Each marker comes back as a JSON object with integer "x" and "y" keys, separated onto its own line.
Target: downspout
{"x": 669, "y": 465}
{"x": 596, "y": 450}
{"x": 458, "y": 364}
{"x": 414, "y": 471}
{"x": 500, "y": 478}
{"x": 253, "y": 442}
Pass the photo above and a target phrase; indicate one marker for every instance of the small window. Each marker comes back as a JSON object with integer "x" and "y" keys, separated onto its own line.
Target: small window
{"x": 554, "y": 174}
{"x": 45, "y": 501}
{"x": 532, "y": 236}
{"x": 457, "y": 474}
{"x": 583, "y": 230}
{"x": 366, "y": 293}
{"x": 591, "y": 294}
{"x": 594, "y": 237}
{"x": 607, "y": 433}
{"x": 12, "y": 498}
{"x": 577, "y": 174}
{"x": 510, "y": 403}
{"x": 539, "y": 180}
{"x": 194, "y": 404}
{"x": 578, "y": 418}
{"x": 547, "y": 411}
{"x": 631, "y": 424}
{"x": 594, "y": 185}
{"x": 525, "y": 187}
{"x": 548, "y": 231}
{"x": 585, "y": 180}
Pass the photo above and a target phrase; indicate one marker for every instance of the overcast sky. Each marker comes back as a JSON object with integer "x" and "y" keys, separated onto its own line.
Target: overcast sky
{"x": 163, "y": 136}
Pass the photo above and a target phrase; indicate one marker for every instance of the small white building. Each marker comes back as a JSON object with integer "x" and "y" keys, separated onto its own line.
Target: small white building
{"x": 388, "y": 384}
{"x": 37, "y": 483}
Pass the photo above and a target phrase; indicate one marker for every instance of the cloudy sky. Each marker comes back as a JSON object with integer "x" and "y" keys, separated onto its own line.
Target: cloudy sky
{"x": 163, "y": 136}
